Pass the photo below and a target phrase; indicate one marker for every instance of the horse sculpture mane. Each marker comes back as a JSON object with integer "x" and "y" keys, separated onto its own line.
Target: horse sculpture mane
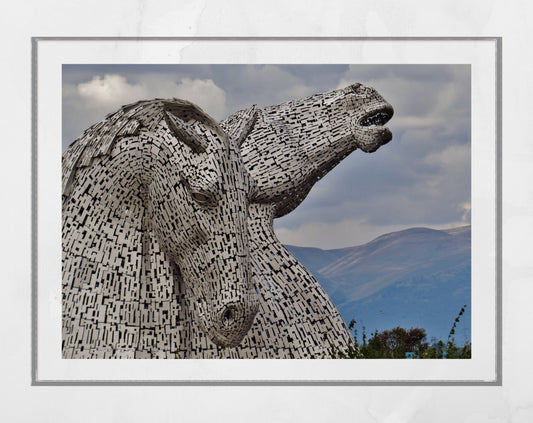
{"x": 168, "y": 244}
{"x": 98, "y": 140}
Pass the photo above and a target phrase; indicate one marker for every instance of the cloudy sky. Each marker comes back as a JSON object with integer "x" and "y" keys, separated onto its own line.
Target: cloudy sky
{"x": 421, "y": 178}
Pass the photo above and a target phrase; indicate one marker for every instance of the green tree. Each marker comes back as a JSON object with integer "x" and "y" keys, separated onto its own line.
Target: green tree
{"x": 395, "y": 343}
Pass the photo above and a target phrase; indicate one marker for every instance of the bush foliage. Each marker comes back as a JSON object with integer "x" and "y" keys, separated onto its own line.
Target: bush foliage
{"x": 397, "y": 342}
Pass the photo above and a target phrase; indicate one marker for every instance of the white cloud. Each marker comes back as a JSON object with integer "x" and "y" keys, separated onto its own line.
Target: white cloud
{"x": 110, "y": 91}
{"x": 205, "y": 93}
{"x": 88, "y": 102}
{"x": 466, "y": 208}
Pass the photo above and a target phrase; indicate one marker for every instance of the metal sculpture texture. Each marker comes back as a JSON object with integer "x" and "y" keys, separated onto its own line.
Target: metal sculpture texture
{"x": 168, "y": 244}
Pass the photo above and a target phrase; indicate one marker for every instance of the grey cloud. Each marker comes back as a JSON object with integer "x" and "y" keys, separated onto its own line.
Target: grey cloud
{"x": 421, "y": 177}
{"x": 86, "y": 102}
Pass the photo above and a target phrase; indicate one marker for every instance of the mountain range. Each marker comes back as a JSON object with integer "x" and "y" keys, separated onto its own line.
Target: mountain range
{"x": 417, "y": 277}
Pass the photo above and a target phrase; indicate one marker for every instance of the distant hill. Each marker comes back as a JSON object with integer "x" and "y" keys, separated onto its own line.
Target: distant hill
{"x": 417, "y": 277}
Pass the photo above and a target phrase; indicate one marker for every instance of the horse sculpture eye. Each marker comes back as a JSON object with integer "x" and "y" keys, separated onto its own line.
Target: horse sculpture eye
{"x": 202, "y": 198}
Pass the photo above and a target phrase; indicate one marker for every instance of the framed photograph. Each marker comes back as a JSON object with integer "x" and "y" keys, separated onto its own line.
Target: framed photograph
{"x": 392, "y": 238}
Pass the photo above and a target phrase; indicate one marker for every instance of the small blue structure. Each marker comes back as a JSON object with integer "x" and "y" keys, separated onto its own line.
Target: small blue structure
{"x": 409, "y": 355}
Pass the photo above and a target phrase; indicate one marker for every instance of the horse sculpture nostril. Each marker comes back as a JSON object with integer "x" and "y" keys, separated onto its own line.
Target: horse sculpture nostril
{"x": 228, "y": 316}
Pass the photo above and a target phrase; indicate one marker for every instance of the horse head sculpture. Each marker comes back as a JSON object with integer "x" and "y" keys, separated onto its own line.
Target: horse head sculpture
{"x": 295, "y": 144}
{"x": 163, "y": 175}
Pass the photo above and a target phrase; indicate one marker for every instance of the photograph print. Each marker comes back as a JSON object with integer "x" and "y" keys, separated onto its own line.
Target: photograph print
{"x": 266, "y": 211}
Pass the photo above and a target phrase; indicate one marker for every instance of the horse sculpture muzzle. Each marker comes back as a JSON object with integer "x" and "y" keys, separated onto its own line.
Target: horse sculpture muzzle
{"x": 371, "y": 113}
{"x": 223, "y": 297}
{"x": 232, "y": 320}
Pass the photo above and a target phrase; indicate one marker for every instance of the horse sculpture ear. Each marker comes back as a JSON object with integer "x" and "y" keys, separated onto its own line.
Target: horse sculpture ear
{"x": 178, "y": 112}
{"x": 240, "y": 124}
{"x": 181, "y": 130}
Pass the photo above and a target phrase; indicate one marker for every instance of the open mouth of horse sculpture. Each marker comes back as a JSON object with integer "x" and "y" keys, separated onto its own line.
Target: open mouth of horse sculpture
{"x": 368, "y": 125}
{"x": 372, "y": 133}
{"x": 377, "y": 117}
